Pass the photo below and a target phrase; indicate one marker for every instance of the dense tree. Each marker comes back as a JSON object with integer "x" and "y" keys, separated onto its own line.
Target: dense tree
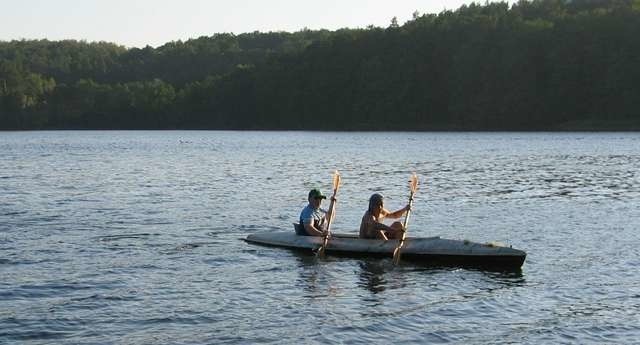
{"x": 533, "y": 65}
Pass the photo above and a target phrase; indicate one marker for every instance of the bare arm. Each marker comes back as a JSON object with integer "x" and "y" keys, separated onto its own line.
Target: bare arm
{"x": 312, "y": 230}
{"x": 396, "y": 214}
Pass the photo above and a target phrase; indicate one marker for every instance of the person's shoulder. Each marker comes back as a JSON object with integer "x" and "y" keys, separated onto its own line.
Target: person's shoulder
{"x": 306, "y": 210}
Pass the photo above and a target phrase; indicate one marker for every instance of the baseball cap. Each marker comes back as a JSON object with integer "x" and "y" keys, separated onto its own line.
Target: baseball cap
{"x": 315, "y": 193}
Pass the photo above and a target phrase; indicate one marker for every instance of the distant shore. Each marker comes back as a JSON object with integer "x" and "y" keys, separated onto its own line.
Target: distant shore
{"x": 576, "y": 126}
{"x": 532, "y": 66}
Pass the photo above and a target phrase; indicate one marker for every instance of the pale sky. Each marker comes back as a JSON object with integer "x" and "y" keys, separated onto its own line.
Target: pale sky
{"x": 137, "y": 23}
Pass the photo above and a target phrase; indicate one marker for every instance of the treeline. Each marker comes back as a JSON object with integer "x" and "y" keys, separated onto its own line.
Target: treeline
{"x": 534, "y": 65}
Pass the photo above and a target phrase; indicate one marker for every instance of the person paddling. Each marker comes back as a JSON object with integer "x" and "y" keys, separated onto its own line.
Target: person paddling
{"x": 371, "y": 226}
{"x": 313, "y": 219}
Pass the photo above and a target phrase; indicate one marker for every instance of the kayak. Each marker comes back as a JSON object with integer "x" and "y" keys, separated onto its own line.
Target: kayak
{"x": 429, "y": 250}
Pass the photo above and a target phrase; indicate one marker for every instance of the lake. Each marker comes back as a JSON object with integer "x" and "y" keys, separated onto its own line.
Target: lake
{"x": 135, "y": 237}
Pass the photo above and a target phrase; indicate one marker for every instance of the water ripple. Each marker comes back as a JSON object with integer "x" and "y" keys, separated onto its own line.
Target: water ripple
{"x": 135, "y": 237}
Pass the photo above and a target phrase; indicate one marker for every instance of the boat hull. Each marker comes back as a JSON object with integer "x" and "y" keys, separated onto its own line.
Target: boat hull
{"x": 431, "y": 250}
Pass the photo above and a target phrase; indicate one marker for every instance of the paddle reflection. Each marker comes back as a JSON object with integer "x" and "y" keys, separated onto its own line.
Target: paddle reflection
{"x": 372, "y": 276}
{"x": 314, "y": 277}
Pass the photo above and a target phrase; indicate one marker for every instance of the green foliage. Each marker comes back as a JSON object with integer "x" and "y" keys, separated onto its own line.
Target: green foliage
{"x": 534, "y": 65}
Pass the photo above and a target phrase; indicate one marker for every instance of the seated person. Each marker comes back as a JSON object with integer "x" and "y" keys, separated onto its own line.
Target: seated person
{"x": 371, "y": 226}
{"x": 313, "y": 219}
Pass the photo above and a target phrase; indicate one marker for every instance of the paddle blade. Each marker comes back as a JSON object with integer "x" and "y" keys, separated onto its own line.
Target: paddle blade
{"x": 336, "y": 180}
{"x": 413, "y": 183}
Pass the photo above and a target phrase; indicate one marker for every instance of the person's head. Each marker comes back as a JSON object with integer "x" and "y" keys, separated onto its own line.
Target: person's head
{"x": 315, "y": 197}
{"x": 376, "y": 202}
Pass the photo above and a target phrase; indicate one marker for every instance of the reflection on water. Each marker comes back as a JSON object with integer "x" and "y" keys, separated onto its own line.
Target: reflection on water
{"x": 377, "y": 276}
{"x": 372, "y": 275}
{"x": 373, "y": 272}
{"x": 508, "y": 278}
{"x": 313, "y": 275}
{"x": 133, "y": 237}
{"x": 308, "y": 272}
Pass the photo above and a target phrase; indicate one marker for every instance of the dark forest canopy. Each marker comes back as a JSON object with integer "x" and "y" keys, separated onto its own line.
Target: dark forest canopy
{"x": 533, "y": 65}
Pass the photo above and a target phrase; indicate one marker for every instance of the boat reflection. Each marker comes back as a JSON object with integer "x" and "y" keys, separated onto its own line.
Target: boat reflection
{"x": 376, "y": 276}
{"x": 317, "y": 280}
{"x": 321, "y": 278}
{"x": 372, "y": 276}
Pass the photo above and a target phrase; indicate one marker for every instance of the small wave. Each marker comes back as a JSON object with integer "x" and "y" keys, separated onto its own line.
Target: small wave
{"x": 188, "y": 246}
{"x": 43, "y": 290}
{"x": 31, "y": 262}
{"x": 110, "y": 238}
{"x": 251, "y": 227}
{"x": 35, "y": 335}
{"x": 217, "y": 231}
{"x": 14, "y": 213}
{"x": 100, "y": 297}
{"x": 196, "y": 319}
{"x": 191, "y": 246}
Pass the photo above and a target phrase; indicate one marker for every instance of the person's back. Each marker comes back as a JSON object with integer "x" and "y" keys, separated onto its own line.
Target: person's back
{"x": 368, "y": 228}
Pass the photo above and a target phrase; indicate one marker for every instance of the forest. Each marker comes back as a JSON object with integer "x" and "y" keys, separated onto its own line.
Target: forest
{"x": 535, "y": 65}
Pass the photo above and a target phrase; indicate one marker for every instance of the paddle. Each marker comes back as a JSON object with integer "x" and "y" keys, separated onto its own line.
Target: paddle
{"x": 413, "y": 186}
{"x": 325, "y": 239}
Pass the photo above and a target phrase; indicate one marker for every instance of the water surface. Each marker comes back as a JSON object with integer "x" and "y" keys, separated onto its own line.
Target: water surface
{"x": 135, "y": 237}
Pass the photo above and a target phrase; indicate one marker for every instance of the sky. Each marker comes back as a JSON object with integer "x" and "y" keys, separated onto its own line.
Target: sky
{"x": 137, "y": 23}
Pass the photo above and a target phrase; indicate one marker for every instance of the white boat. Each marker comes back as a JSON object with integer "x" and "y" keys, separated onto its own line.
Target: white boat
{"x": 429, "y": 250}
